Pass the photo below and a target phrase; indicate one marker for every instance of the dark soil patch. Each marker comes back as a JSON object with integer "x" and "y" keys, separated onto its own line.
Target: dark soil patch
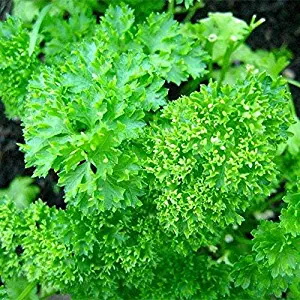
{"x": 11, "y": 159}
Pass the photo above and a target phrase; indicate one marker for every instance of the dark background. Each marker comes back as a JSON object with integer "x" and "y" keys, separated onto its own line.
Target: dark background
{"x": 282, "y": 27}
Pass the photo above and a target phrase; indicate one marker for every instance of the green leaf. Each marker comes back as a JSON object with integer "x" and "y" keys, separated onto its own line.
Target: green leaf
{"x": 21, "y": 289}
{"x": 21, "y": 191}
{"x": 221, "y": 29}
{"x": 111, "y": 194}
{"x": 277, "y": 251}
{"x": 174, "y": 55}
{"x": 293, "y": 143}
{"x": 27, "y": 10}
{"x": 199, "y": 167}
{"x": 290, "y": 216}
{"x": 16, "y": 66}
{"x": 273, "y": 62}
{"x": 36, "y": 28}
{"x": 142, "y": 8}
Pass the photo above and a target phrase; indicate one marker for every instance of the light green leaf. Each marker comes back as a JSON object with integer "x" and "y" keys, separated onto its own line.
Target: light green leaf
{"x": 21, "y": 192}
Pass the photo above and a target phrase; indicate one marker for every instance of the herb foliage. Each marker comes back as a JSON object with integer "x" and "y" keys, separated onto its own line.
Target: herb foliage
{"x": 160, "y": 194}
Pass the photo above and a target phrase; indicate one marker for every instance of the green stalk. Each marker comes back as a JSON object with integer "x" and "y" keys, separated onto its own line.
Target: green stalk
{"x": 36, "y": 28}
{"x": 192, "y": 11}
{"x": 210, "y": 48}
{"x": 293, "y": 82}
{"x": 171, "y": 6}
{"x": 292, "y": 105}
{"x": 242, "y": 240}
{"x": 226, "y": 63}
{"x": 27, "y": 291}
{"x": 233, "y": 46}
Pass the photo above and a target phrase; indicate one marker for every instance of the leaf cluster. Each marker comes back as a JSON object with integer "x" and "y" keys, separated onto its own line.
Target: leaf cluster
{"x": 160, "y": 194}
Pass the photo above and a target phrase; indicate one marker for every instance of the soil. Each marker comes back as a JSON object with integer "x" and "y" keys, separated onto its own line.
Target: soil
{"x": 282, "y": 27}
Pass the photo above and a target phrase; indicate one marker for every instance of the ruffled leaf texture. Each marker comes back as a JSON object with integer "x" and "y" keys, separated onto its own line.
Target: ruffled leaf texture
{"x": 273, "y": 265}
{"x": 142, "y": 8}
{"x": 67, "y": 23}
{"x": 131, "y": 252}
{"x": 274, "y": 260}
{"x": 110, "y": 255}
{"x": 210, "y": 155}
{"x": 85, "y": 115}
{"x": 16, "y": 66}
{"x": 149, "y": 196}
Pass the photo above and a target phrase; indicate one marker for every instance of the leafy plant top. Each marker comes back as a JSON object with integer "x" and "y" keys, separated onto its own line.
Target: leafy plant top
{"x": 175, "y": 144}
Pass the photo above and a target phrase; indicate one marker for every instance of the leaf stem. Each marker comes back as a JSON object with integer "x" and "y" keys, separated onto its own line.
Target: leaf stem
{"x": 293, "y": 82}
{"x": 27, "y": 291}
{"x": 210, "y": 48}
{"x": 242, "y": 240}
{"x": 193, "y": 10}
{"x": 292, "y": 104}
{"x": 171, "y": 6}
{"x": 226, "y": 63}
{"x": 36, "y": 27}
{"x": 234, "y": 45}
